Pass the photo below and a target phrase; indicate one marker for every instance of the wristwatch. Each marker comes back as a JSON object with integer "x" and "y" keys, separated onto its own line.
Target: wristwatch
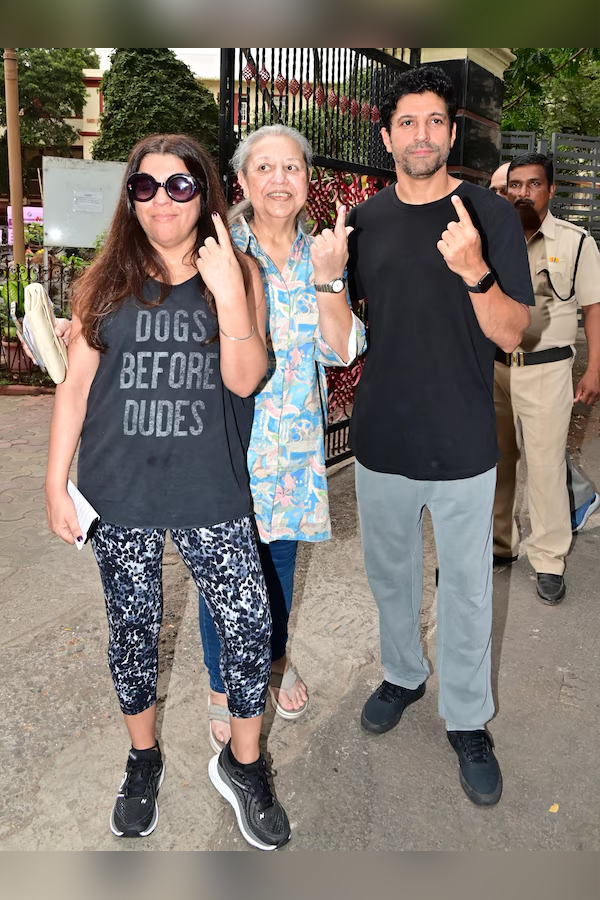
{"x": 483, "y": 285}
{"x": 336, "y": 286}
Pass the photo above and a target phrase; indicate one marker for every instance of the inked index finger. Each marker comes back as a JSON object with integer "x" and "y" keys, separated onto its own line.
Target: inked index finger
{"x": 221, "y": 229}
{"x": 463, "y": 216}
{"x": 340, "y": 222}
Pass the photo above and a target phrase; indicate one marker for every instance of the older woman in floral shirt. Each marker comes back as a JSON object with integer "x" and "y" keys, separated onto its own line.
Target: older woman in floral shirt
{"x": 310, "y": 325}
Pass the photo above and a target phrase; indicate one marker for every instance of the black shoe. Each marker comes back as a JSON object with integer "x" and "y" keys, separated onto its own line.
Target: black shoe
{"x": 551, "y": 588}
{"x": 260, "y": 816}
{"x": 504, "y": 560}
{"x": 385, "y": 706}
{"x": 135, "y": 813}
{"x": 480, "y": 774}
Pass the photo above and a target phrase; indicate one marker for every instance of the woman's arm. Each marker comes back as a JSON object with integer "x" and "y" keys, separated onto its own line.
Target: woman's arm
{"x": 329, "y": 254}
{"x": 242, "y": 315}
{"x": 62, "y": 329}
{"x": 70, "y": 406}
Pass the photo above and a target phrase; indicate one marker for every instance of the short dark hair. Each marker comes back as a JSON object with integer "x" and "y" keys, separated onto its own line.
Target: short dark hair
{"x": 419, "y": 81}
{"x": 534, "y": 159}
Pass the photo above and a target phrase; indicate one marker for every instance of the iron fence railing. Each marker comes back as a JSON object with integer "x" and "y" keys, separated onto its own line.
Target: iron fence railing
{"x": 514, "y": 143}
{"x": 337, "y": 446}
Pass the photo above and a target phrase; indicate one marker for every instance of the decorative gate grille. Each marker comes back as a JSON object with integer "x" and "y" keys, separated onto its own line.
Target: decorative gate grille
{"x": 333, "y": 96}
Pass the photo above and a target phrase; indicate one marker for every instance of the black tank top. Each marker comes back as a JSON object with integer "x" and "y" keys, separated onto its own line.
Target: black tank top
{"x": 164, "y": 441}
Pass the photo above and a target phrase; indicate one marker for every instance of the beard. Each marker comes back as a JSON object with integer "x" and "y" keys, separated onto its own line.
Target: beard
{"x": 529, "y": 216}
{"x": 426, "y": 166}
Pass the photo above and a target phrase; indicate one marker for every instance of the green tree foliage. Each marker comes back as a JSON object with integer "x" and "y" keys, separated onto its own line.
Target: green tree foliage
{"x": 51, "y": 90}
{"x": 553, "y": 89}
{"x": 147, "y": 91}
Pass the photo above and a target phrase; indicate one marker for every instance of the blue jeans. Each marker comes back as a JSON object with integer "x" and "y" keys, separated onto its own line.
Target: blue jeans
{"x": 279, "y": 563}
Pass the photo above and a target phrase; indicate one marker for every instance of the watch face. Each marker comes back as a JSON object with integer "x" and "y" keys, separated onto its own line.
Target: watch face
{"x": 337, "y": 285}
{"x": 486, "y": 282}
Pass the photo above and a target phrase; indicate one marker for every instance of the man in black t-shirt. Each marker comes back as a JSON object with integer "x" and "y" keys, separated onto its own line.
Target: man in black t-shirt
{"x": 443, "y": 265}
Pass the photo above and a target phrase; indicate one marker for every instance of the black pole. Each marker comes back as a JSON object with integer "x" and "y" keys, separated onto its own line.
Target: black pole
{"x": 415, "y": 56}
{"x": 226, "y": 124}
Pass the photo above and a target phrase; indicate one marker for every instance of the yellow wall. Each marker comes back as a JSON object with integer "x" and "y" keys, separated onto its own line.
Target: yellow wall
{"x": 88, "y": 125}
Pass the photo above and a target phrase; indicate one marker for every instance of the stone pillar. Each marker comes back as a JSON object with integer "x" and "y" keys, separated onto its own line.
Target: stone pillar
{"x": 478, "y": 77}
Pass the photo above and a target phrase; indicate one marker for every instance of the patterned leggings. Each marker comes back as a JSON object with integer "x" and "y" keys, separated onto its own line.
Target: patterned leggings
{"x": 225, "y": 565}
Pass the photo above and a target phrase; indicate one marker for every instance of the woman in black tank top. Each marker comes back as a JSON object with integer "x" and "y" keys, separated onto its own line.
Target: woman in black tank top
{"x": 168, "y": 339}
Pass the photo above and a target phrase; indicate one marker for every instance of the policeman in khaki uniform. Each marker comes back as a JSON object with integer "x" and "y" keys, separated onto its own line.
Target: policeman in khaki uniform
{"x": 534, "y": 384}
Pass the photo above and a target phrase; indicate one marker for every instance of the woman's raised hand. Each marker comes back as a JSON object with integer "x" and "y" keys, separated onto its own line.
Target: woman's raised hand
{"x": 329, "y": 250}
{"x": 218, "y": 266}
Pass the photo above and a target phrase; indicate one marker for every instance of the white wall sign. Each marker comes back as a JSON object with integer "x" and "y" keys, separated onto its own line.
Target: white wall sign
{"x": 80, "y": 197}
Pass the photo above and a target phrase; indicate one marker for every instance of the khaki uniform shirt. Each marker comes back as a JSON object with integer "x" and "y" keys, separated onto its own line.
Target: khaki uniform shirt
{"x": 554, "y": 248}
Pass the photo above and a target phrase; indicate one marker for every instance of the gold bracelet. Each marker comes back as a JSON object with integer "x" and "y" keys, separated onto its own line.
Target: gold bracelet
{"x": 231, "y": 338}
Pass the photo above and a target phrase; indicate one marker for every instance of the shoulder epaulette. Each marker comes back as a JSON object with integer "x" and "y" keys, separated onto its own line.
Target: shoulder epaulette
{"x": 572, "y": 225}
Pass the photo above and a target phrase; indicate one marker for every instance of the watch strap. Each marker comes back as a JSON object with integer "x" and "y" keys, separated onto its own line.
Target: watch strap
{"x": 328, "y": 286}
{"x": 484, "y": 284}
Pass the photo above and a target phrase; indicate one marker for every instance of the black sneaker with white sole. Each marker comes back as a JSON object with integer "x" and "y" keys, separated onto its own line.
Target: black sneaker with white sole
{"x": 260, "y": 816}
{"x": 135, "y": 813}
{"x": 480, "y": 775}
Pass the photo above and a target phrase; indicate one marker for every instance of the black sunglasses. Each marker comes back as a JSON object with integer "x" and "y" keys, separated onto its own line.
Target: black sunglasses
{"x": 181, "y": 188}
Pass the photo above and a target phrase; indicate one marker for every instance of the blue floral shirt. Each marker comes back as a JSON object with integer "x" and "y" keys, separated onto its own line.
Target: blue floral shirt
{"x": 286, "y": 458}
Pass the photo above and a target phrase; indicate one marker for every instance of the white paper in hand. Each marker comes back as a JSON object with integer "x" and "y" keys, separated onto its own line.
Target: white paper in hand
{"x": 39, "y": 323}
{"x": 86, "y": 514}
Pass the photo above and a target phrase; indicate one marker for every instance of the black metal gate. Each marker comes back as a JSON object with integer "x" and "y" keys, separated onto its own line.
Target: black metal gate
{"x": 333, "y": 96}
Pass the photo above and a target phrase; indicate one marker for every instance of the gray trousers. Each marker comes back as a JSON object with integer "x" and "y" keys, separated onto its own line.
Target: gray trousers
{"x": 581, "y": 490}
{"x": 391, "y": 521}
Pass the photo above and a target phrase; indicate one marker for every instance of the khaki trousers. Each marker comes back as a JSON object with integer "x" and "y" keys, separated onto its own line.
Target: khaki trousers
{"x": 541, "y": 398}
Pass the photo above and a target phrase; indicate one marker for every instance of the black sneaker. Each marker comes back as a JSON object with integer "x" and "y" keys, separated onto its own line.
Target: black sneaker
{"x": 260, "y": 817}
{"x": 135, "y": 813}
{"x": 504, "y": 560}
{"x": 385, "y": 706}
{"x": 480, "y": 774}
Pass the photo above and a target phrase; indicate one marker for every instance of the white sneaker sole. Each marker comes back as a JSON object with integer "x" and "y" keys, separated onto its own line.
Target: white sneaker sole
{"x": 154, "y": 821}
{"x": 226, "y": 792}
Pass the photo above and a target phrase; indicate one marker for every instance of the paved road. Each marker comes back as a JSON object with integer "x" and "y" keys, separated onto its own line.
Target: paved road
{"x": 63, "y": 745}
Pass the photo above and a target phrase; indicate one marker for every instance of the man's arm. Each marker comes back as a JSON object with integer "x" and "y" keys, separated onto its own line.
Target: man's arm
{"x": 502, "y": 319}
{"x": 588, "y": 389}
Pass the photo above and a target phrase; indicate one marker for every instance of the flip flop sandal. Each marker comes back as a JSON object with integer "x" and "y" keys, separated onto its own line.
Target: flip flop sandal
{"x": 284, "y": 683}
{"x": 216, "y": 713}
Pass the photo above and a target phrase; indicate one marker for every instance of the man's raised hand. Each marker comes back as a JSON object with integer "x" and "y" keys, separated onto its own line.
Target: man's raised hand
{"x": 460, "y": 245}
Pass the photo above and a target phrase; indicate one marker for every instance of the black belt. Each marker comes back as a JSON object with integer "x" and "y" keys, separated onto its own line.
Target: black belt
{"x": 518, "y": 358}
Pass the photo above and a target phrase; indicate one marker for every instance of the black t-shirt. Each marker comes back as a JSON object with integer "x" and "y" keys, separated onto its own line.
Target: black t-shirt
{"x": 424, "y": 405}
{"x": 164, "y": 441}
